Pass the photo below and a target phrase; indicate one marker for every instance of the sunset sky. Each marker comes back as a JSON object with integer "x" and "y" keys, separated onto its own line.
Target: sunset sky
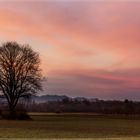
{"x": 87, "y": 48}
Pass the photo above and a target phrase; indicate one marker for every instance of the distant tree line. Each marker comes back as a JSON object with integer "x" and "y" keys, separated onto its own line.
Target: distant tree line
{"x": 99, "y": 106}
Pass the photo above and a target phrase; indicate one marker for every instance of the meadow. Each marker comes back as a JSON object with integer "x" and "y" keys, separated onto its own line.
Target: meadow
{"x": 65, "y": 126}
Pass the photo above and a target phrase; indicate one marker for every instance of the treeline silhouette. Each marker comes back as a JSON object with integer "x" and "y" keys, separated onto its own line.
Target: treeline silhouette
{"x": 99, "y": 106}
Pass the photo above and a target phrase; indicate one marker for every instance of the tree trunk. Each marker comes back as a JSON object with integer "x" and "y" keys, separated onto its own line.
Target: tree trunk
{"x": 12, "y": 112}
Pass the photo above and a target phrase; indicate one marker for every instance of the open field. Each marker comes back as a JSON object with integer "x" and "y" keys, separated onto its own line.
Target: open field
{"x": 71, "y": 126}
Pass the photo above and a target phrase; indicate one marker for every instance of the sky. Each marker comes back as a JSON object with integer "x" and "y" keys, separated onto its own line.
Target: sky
{"x": 87, "y": 48}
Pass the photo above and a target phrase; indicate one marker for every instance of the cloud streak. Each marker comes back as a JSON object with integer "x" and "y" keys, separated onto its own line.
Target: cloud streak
{"x": 87, "y": 48}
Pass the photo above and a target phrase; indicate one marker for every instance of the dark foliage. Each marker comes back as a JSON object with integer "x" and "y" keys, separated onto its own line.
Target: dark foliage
{"x": 100, "y": 106}
{"x": 19, "y": 115}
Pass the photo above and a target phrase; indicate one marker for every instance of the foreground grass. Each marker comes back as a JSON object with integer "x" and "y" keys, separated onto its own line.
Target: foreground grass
{"x": 71, "y": 126}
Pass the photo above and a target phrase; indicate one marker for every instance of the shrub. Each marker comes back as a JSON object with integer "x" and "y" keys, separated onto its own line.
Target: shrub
{"x": 18, "y": 115}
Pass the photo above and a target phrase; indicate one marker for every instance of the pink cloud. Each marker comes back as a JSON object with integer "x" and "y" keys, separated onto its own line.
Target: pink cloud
{"x": 95, "y": 44}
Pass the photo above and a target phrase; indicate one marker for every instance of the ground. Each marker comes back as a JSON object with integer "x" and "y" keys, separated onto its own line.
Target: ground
{"x": 71, "y": 126}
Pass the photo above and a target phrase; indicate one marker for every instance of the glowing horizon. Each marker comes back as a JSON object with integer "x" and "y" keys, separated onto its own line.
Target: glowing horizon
{"x": 87, "y": 49}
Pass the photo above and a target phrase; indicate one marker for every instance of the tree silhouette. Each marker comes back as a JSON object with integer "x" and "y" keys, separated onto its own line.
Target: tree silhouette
{"x": 20, "y": 75}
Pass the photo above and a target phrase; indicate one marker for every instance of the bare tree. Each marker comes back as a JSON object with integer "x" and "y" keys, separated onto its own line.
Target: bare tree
{"x": 20, "y": 75}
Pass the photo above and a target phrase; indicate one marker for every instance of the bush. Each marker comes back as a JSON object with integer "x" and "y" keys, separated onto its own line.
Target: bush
{"x": 22, "y": 116}
{"x": 18, "y": 115}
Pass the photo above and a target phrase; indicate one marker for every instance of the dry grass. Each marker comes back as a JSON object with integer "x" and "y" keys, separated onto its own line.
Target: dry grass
{"x": 71, "y": 126}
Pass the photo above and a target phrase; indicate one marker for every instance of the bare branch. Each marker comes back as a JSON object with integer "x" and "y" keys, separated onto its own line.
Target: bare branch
{"x": 20, "y": 75}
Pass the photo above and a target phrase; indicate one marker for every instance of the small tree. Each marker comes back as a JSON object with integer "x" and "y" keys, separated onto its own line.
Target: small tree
{"x": 20, "y": 75}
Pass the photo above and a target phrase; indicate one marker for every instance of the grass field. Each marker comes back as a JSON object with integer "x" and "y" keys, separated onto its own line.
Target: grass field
{"x": 71, "y": 126}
